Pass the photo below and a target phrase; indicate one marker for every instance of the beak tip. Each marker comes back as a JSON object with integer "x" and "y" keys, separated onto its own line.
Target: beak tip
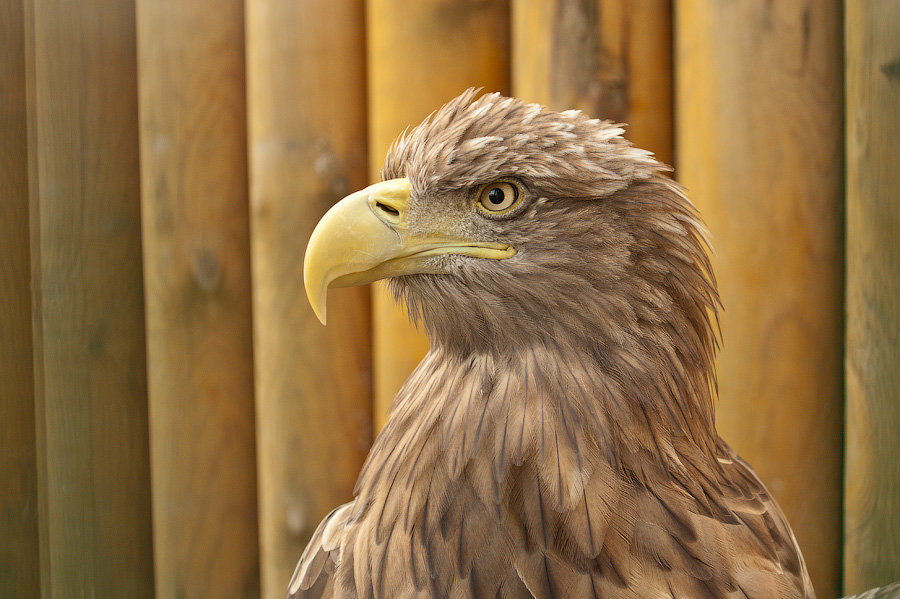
{"x": 318, "y": 303}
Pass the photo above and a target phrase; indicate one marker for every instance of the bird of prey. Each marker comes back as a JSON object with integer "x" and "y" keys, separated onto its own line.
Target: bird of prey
{"x": 558, "y": 439}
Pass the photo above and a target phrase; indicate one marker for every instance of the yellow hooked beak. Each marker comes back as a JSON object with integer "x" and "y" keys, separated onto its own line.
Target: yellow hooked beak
{"x": 365, "y": 237}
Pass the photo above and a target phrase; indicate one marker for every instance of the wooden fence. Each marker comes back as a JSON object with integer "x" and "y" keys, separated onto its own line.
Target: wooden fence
{"x": 175, "y": 422}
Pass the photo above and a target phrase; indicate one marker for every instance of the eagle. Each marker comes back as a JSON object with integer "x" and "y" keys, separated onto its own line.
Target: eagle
{"x": 558, "y": 439}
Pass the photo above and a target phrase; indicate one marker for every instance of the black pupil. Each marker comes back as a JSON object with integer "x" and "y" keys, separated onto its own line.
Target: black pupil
{"x": 496, "y": 196}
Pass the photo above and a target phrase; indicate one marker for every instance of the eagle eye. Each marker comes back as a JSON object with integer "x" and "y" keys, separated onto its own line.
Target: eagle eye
{"x": 499, "y": 197}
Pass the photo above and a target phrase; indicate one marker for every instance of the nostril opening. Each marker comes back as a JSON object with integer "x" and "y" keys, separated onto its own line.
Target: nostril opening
{"x": 385, "y": 208}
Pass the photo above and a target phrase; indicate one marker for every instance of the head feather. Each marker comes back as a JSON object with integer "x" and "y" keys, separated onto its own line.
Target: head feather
{"x": 472, "y": 139}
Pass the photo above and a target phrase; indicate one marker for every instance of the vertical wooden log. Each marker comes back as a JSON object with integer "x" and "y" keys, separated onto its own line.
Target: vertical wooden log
{"x": 89, "y": 358}
{"x": 610, "y": 58}
{"x": 421, "y": 53}
{"x": 18, "y": 471}
{"x": 872, "y": 502}
{"x": 197, "y": 265}
{"x": 759, "y": 148}
{"x": 307, "y": 139}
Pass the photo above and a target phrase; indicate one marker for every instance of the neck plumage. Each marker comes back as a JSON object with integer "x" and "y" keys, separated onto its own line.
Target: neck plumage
{"x": 564, "y": 410}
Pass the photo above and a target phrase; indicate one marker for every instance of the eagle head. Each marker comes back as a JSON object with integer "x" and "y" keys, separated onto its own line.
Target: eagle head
{"x": 502, "y": 224}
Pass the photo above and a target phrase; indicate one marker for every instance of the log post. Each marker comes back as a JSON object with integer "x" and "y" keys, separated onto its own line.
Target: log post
{"x": 88, "y": 312}
{"x": 18, "y": 467}
{"x": 197, "y": 274}
{"x": 306, "y": 91}
{"x": 759, "y": 146}
{"x": 872, "y": 477}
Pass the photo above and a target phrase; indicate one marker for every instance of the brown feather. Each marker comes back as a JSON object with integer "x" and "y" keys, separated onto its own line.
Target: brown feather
{"x": 559, "y": 439}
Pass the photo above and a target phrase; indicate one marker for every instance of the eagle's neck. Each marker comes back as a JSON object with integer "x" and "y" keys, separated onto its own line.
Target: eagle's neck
{"x": 564, "y": 409}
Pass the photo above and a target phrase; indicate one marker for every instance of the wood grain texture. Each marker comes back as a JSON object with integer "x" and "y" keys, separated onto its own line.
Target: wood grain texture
{"x": 609, "y": 58}
{"x": 197, "y": 266}
{"x": 89, "y": 358}
{"x": 872, "y": 479}
{"x": 421, "y": 53}
{"x": 307, "y": 140}
{"x": 19, "y": 559}
{"x": 759, "y": 104}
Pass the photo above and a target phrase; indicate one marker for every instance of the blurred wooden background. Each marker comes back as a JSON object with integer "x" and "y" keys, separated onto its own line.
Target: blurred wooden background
{"x": 175, "y": 422}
